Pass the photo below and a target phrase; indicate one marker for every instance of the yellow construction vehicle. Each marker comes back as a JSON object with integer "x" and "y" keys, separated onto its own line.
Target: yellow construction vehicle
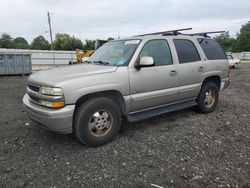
{"x": 82, "y": 55}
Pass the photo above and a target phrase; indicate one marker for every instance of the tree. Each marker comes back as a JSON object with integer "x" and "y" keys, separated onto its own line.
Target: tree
{"x": 64, "y": 41}
{"x": 20, "y": 43}
{"x": 40, "y": 43}
{"x": 76, "y": 43}
{"x": 6, "y": 41}
{"x": 243, "y": 39}
{"x": 226, "y": 42}
{"x": 89, "y": 45}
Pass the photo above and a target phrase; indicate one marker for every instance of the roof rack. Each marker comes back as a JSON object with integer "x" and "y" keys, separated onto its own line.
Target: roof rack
{"x": 205, "y": 34}
{"x": 170, "y": 32}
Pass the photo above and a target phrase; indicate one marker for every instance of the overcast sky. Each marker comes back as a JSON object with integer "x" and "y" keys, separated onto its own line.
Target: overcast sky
{"x": 101, "y": 19}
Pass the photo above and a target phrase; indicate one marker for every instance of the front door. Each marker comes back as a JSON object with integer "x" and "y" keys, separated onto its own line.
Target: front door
{"x": 156, "y": 85}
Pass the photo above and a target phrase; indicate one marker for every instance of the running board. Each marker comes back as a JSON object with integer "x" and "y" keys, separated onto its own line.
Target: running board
{"x": 158, "y": 111}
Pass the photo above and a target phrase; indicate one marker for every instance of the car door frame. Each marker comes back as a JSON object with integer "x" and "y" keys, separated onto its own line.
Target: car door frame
{"x": 191, "y": 90}
{"x": 139, "y": 99}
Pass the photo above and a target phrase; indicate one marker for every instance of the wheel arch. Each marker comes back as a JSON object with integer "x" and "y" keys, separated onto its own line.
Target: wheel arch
{"x": 215, "y": 78}
{"x": 114, "y": 95}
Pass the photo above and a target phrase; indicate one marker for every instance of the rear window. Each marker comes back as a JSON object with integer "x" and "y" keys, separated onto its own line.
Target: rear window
{"x": 212, "y": 49}
{"x": 186, "y": 51}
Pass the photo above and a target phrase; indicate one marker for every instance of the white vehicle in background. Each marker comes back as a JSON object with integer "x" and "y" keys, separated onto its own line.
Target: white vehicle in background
{"x": 233, "y": 62}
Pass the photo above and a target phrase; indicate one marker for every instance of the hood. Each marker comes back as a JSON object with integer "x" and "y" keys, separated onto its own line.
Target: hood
{"x": 60, "y": 74}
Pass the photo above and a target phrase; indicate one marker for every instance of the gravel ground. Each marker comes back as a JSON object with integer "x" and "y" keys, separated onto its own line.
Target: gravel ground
{"x": 181, "y": 149}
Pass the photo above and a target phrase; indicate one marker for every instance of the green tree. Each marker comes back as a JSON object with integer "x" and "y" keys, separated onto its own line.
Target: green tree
{"x": 6, "y": 41}
{"x": 89, "y": 45}
{"x": 64, "y": 41}
{"x": 226, "y": 42}
{"x": 76, "y": 43}
{"x": 243, "y": 39}
{"x": 20, "y": 43}
{"x": 40, "y": 43}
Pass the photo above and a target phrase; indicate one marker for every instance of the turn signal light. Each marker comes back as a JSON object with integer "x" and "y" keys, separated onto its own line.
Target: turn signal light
{"x": 57, "y": 104}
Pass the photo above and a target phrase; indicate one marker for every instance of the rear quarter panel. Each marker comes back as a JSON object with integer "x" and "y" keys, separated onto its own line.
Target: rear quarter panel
{"x": 218, "y": 67}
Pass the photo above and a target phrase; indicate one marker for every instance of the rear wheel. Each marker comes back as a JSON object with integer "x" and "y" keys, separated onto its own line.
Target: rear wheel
{"x": 208, "y": 97}
{"x": 97, "y": 121}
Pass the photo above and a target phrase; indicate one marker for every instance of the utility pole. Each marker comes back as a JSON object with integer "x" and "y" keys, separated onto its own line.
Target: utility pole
{"x": 51, "y": 37}
{"x": 50, "y": 31}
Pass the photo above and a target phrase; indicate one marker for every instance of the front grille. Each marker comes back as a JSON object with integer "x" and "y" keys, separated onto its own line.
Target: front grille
{"x": 34, "y": 87}
{"x": 32, "y": 94}
{"x": 34, "y": 99}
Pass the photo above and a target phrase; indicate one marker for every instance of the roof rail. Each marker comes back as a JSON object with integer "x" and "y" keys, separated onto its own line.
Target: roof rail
{"x": 170, "y": 32}
{"x": 205, "y": 34}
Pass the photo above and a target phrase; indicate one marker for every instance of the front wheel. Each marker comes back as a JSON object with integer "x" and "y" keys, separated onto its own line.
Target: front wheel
{"x": 97, "y": 121}
{"x": 208, "y": 97}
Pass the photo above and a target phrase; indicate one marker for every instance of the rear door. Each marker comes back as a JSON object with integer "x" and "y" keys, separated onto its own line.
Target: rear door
{"x": 190, "y": 68}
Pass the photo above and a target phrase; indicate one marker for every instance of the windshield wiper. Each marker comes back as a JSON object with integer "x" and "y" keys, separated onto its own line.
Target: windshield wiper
{"x": 88, "y": 62}
{"x": 102, "y": 62}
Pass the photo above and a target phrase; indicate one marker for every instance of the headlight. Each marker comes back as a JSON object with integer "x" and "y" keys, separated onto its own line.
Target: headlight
{"x": 51, "y": 91}
{"x": 51, "y": 97}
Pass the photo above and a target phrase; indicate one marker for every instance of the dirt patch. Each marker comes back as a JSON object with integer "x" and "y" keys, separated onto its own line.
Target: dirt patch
{"x": 181, "y": 149}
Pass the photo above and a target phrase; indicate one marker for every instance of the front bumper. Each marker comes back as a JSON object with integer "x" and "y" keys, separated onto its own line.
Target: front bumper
{"x": 56, "y": 120}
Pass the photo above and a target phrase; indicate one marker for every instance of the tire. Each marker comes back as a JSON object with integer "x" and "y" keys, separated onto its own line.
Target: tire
{"x": 207, "y": 104}
{"x": 97, "y": 121}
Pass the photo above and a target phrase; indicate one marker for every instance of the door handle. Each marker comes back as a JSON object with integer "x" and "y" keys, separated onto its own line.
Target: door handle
{"x": 200, "y": 69}
{"x": 172, "y": 73}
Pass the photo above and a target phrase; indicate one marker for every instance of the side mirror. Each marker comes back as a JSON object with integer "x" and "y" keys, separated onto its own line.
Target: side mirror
{"x": 146, "y": 61}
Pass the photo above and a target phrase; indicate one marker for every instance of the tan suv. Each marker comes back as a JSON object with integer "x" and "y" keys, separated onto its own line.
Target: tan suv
{"x": 131, "y": 79}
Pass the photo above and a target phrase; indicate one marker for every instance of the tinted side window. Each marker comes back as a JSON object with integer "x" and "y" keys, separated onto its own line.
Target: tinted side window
{"x": 186, "y": 51}
{"x": 159, "y": 50}
{"x": 212, "y": 49}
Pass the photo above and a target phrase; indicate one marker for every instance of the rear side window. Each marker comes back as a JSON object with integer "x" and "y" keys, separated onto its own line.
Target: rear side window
{"x": 186, "y": 51}
{"x": 212, "y": 49}
{"x": 159, "y": 50}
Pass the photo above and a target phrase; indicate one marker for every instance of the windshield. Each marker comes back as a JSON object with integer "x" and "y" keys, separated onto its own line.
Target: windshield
{"x": 115, "y": 52}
